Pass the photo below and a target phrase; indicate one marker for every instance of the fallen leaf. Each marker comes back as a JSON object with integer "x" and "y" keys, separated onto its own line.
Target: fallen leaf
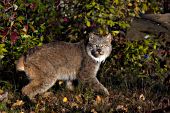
{"x": 25, "y": 29}
{"x": 121, "y": 108}
{"x": 93, "y": 111}
{"x": 65, "y": 99}
{"x": 130, "y": 4}
{"x": 3, "y": 96}
{"x": 98, "y": 99}
{"x": 139, "y": 107}
{"x": 18, "y": 103}
{"x": 1, "y": 91}
{"x": 79, "y": 98}
{"x": 142, "y": 97}
{"x": 74, "y": 105}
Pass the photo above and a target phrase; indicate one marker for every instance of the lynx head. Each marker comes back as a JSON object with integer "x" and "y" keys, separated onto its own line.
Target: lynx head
{"x": 99, "y": 48}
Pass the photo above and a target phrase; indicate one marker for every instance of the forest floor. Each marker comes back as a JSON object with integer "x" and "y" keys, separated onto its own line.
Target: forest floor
{"x": 60, "y": 100}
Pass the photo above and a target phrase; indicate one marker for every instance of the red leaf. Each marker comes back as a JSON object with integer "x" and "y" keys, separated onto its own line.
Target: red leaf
{"x": 14, "y": 37}
{"x": 32, "y": 6}
{"x": 4, "y": 33}
{"x": 65, "y": 19}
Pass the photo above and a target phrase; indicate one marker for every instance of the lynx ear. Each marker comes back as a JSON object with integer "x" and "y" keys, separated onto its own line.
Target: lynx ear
{"x": 91, "y": 37}
{"x": 109, "y": 37}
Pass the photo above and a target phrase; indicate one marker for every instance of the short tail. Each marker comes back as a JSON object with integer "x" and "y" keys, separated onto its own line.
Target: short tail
{"x": 20, "y": 64}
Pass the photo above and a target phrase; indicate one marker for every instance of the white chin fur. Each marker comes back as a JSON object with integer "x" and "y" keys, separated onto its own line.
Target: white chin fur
{"x": 98, "y": 59}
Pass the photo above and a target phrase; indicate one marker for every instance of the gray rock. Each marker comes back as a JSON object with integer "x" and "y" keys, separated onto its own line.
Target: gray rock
{"x": 152, "y": 25}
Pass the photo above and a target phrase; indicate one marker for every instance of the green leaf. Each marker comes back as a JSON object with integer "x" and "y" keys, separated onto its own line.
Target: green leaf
{"x": 93, "y": 3}
{"x": 20, "y": 18}
{"x": 88, "y": 24}
{"x": 114, "y": 33}
{"x": 2, "y": 50}
{"x": 154, "y": 46}
{"x": 117, "y": 2}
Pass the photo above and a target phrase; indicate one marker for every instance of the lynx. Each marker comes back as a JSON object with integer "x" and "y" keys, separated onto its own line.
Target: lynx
{"x": 65, "y": 61}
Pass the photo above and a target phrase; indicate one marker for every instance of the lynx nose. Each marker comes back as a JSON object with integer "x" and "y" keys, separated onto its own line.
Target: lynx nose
{"x": 99, "y": 50}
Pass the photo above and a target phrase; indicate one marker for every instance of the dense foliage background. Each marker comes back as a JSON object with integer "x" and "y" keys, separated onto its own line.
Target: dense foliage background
{"x": 134, "y": 66}
{"x": 25, "y": 24}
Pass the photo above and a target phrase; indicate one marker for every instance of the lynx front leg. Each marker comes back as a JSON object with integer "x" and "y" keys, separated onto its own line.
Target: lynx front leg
{"x": 69, "y": 85}
{"x": 87, "y": 76}
{"x": 95, "y": 85}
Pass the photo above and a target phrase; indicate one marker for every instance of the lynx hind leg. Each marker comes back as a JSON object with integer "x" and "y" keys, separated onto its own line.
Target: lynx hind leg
{"x": 39, "y": 83}
{"x": 37, "y": 87}
{"x": 69, "y": 85}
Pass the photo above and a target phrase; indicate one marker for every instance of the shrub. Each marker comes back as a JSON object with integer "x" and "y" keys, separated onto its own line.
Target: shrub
{"x": 27, "y": 24}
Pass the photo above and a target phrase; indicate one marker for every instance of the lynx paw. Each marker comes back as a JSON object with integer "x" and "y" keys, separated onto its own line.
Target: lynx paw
{"x": 105, "y": 91}
{"x": 27, "y": 92}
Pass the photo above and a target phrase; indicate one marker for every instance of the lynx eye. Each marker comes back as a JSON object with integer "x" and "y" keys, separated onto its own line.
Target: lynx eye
{"x": 97, "y": 45}
{"x": 105, "y": 45}
{"x": 100, "y": 45}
